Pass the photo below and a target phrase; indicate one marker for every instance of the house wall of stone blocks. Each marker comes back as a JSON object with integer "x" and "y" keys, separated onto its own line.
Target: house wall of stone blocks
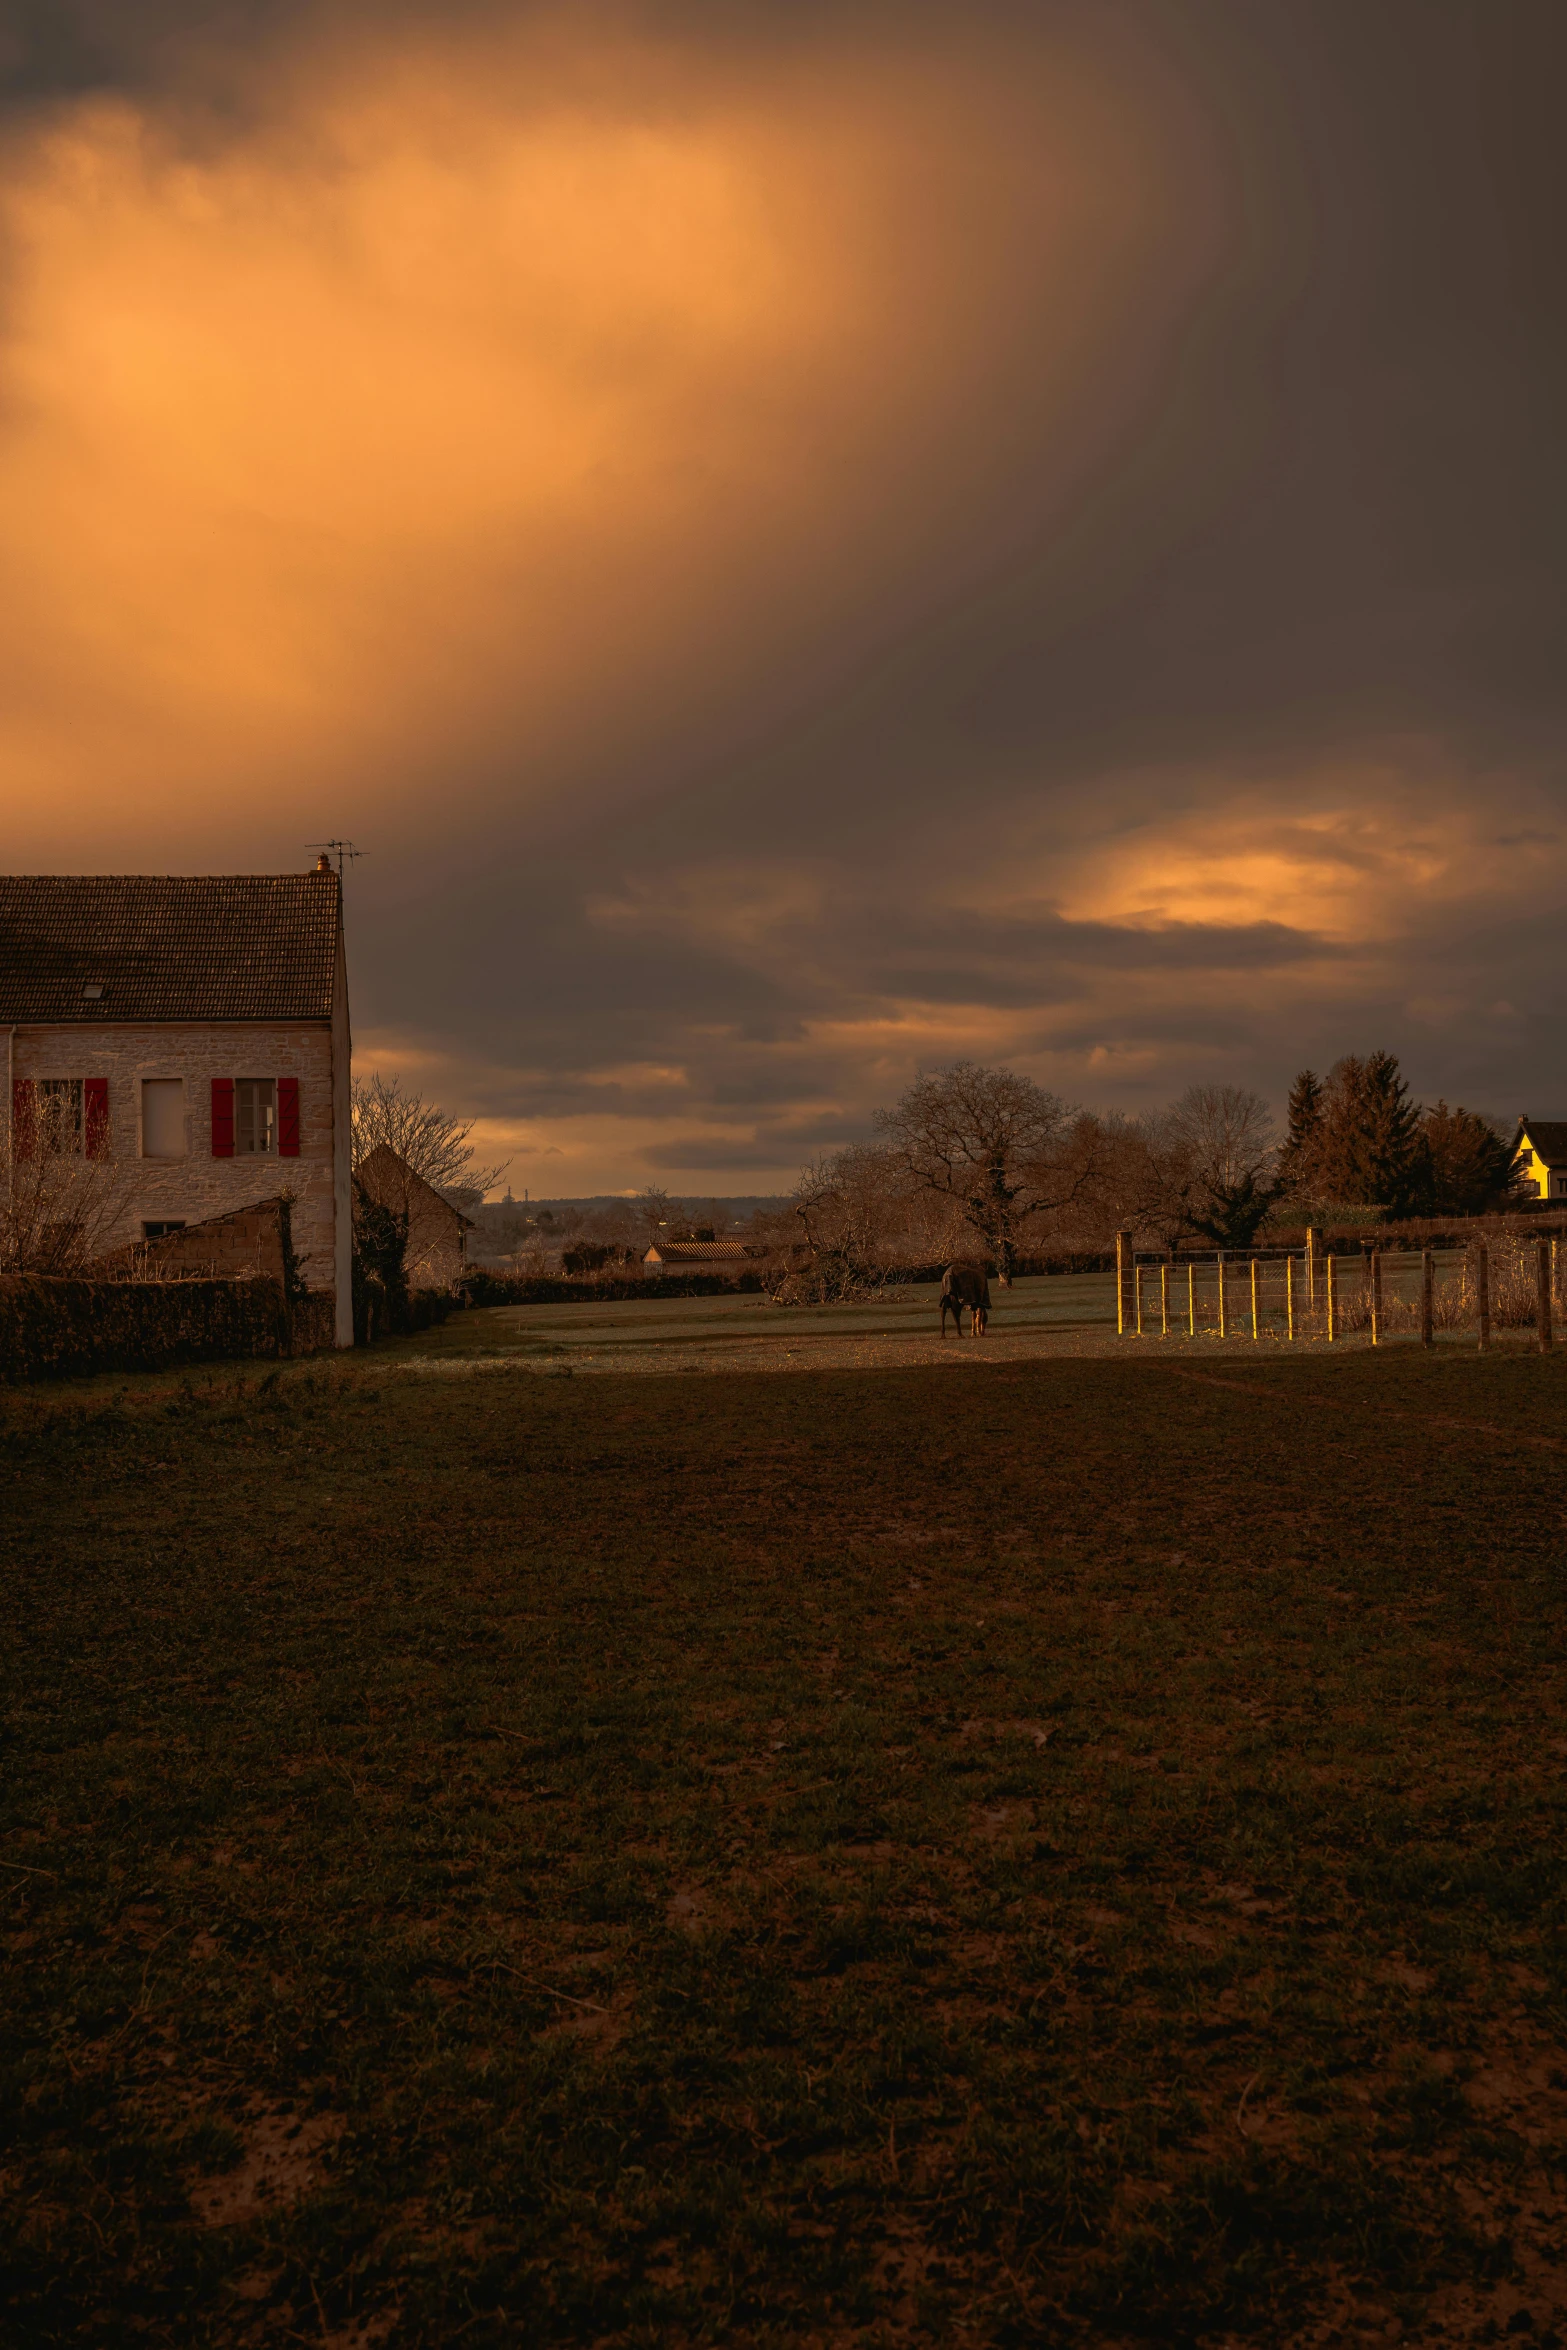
{"x": 198, "y": 1185}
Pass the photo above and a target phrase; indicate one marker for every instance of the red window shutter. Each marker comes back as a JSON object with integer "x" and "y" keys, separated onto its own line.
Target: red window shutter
{"x": 223, "y": 1117}
{"x": 24, "y": 1118}
{"x": 95, "y": 1115}
{"x": 288, "y": 1117}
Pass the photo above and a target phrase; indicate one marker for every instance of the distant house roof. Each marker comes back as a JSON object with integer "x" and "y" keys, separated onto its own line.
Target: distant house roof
{"x": 146, "y": 946}
{"x": 1547, "y": 1137}
{"x": 389, "y": 1179}
{"x": 696, "y": 1252}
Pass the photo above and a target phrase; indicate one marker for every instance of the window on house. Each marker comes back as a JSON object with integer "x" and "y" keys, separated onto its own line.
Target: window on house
{"x": 162, "y": 1118}
{"x": 155, "y": 1231}
{"x": 60, "y": 1113}
{"x": 255, "y": 1109}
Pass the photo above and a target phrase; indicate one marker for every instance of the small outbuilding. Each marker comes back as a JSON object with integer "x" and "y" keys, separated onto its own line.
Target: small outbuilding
{"x": 695, "y": 1256}
{"x": 437, "y": 1252}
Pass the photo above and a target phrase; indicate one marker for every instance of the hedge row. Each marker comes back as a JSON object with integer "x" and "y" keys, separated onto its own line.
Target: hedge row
{"x": 50, "y": 1327}
{"x": 314, "y": 1315}
{"x": 1083, "y": 1260}
{"x": 379, "y": 1314}
{"x": 480, "y": 1288}
{"x": 1416, "y": 1233}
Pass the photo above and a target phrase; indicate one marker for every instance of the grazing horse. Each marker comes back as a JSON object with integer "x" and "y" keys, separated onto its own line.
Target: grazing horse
{"x": 965, "y": 1285}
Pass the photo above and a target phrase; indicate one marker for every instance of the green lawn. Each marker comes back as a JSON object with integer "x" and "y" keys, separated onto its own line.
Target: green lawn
{"x": 1071, "y": 1852}
{"x": 1040, "y": 1305}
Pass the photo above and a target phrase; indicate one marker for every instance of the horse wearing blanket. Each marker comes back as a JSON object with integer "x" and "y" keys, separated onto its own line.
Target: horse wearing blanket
{"x": 965, "y": 1285}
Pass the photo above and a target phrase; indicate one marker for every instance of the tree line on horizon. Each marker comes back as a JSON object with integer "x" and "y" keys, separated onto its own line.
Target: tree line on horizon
{"x": 986, "y": 1159}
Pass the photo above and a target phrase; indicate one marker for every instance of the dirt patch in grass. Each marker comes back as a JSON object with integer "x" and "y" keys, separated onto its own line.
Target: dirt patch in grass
{"x": 880, "y": 1857}
{"x": 279, "y": 2160}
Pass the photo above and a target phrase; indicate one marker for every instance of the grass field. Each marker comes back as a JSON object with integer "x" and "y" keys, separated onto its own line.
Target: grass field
{"x": 701, "y": 1333}
{"x": 1058, "y": 1850}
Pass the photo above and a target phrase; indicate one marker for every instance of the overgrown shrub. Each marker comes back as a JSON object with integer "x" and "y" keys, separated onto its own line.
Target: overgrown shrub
{"x": 834, "y": 1277}
{"x": 380, "y": 1272}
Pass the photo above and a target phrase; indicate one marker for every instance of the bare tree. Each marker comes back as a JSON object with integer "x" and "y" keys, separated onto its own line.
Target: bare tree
{"x": 996, "y": 1144}
{"x": 1210, "y": 1165}
{"x": 847, "y": 1204}
{"x": 654, "y": 1212}
{"x": 66, "y": 1196}
{"x": 429, "y": 1142}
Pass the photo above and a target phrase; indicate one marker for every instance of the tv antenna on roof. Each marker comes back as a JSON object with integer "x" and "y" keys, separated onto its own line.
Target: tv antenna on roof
{"x": 342, "y": 849}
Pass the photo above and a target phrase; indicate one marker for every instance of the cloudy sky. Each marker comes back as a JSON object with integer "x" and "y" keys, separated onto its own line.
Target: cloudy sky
{"x": 807, "y": 540}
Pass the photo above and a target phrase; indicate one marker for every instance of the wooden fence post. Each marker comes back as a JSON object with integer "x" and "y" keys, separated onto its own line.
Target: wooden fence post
{"x": 1332, "y": 1291}
{"x": 1123, "y": 1251}
{"x": 1256, "y": 1326}
{"x": 1289, "y": 1295}
{"x": 1427, "y": 1287}
{"x": 1483, "y": 1292}
{"x": 1313, "y": 1254}
{"x": 1137, "y": 1292}
{"x": 1191, "y": 1297}
{"x": 1376, "y": 1297}
{"x": 1543, "y": 1293}
{"x": 1224, "y": 1303}
{"x": 1164, "y": 1299}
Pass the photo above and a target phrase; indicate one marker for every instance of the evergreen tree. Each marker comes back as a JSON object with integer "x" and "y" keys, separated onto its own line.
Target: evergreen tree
{"x": 1468, "y": 1164}
{"x": 1302, "y": 1149}
{"x": 1372, "y": 1151}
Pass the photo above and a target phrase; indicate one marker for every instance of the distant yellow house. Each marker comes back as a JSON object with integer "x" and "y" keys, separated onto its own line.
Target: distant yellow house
{"x": 1541, "y": 1157}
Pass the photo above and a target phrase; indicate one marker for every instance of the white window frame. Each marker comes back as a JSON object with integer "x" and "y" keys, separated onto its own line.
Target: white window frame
{"x": 263, "y": 1098}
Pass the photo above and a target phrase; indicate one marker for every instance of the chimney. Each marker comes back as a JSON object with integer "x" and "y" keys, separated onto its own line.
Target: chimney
{"x": 323, "y": 863}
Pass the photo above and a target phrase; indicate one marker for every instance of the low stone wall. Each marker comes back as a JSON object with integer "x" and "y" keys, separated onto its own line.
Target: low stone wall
{"x": 52, "y": 1328}
{"x": 231, "y": 1247}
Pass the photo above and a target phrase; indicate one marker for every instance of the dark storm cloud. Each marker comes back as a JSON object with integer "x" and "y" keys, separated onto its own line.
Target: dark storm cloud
{"x": 1120, "y": 633}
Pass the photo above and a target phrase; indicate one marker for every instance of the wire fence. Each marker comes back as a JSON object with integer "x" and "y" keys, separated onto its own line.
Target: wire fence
{"x": 1309, "y": 1294}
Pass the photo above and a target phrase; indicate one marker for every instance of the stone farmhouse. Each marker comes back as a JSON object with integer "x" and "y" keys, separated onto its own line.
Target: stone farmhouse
{"x": 190, "y": 1033}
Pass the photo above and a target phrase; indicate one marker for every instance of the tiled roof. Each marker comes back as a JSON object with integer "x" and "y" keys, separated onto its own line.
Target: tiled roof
{"x": 1549, "y": 1137}
{"x": 245, "y": 946}
{"x": 697, "y": 1252}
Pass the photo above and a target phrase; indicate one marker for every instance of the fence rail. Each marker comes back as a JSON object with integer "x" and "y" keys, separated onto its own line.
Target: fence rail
{"x": 1312, "y": 1294}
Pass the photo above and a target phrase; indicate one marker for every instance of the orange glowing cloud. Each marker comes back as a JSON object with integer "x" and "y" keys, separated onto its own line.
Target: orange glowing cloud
{"x": 476, "y": 401}
{"x": 1356, "y": 850}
